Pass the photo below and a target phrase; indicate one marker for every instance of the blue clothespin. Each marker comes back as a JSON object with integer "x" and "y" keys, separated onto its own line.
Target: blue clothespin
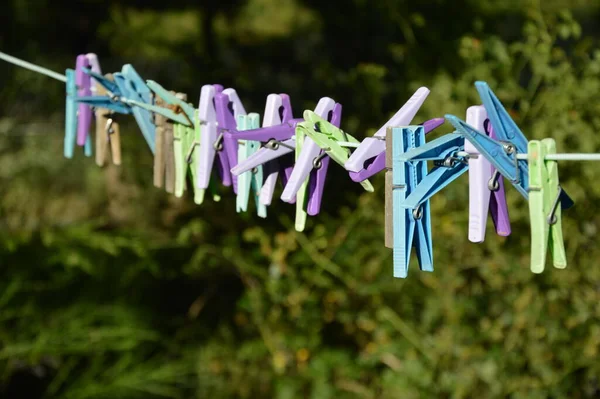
{"x": 70, "y": 115}
{"x": 448, "y": 167}
{"x": 411, "y": 227}
{"x": 502, "y": 152}
{"x": 134, "y": 88}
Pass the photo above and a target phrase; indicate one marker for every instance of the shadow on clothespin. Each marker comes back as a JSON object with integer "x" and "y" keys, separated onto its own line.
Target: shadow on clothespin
{"x": 544, "y": 209}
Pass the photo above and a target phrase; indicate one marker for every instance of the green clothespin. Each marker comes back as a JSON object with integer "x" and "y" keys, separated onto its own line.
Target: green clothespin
{"x": 329, "y": 137}
{"x": 544, "y": 209}
{"x": 186, "y": 158}
{"x": 250, "y": 181}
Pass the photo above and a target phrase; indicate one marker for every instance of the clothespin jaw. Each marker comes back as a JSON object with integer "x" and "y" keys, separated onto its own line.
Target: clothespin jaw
{"x": 485, "y": 194}
{"x": 251, "y": 181}
{"x": 377, "y": 164}
{"x": 84, "y": 112}
{"x": 544, "y": 212}
{"x": 411, "y": 227}
{"x": 448, "y": 167}
{"x": 328, "y": 138}
{"x": 373, "y": 146}
{"x": 134, "y": 88}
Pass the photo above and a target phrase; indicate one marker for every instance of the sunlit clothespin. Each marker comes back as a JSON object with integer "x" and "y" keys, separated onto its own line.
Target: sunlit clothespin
{"x": 377, "y": 164}
{"x": 544, "y": 212}
{"x": 448, "y": 166}
{"x": 249, "y": 183}
{"x": 486, "y": 195}
{"x": 210, "y": 144}
{"x": 307, "y": 181}
{"x": 374, "y": 146}
{"x": 134, "y": 88}
{"x": 411, "y": 227}
{"x": 330, "y": 139}
{"x": 279, "y": 142}
{"x": 228, "y": 107}
{"x": 501, "y": 152}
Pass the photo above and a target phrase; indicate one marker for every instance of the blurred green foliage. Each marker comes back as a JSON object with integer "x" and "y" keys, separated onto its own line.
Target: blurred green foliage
{"x": 110, "y": 288}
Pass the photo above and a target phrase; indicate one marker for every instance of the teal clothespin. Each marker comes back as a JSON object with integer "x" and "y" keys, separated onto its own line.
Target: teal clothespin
{"x": 252, "y": 180}
{"x": 71, "y": 119}
{"x": 134, "y": 88}
{"x": 544, "y": 209}
{"x": 171, "y": 99}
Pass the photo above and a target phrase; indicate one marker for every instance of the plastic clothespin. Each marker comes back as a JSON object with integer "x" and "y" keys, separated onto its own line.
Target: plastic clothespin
{"x": 279, "y": 142}
{"x": 328, "y": 138}
{"x": 251, "y": 181}
{"x": 510, "y": 141}
{"x": 485, "y": 194}
{"x": 134, "y": 88}
{"x": 410, "y": 227}
{"x": 373, "y": 146}
{"x": 377, "y": 164}
{"x": 228, "y": 107}
{"x": 71, "y": 111}
{"x": 278, "y": 126}
{"x": 84, "y": 112}
{"x": 544, "y": 212}
{"x": 307, "y": 181}
{"x": 181, "y": 106}
{"x": 161, "y": 147}
{"x": 448, "y": 167}
{"x": 209, "y": 145}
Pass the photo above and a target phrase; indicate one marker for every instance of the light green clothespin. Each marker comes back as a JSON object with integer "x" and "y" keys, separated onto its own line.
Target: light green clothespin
{"x": 186, "y": 140}
{"x": 250, "y": 181}
{"x": 328, "y": 137}
{"x": 544, "y": 206}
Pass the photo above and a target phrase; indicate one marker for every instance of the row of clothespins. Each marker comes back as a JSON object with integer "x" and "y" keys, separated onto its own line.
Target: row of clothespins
{"x": 219, "y": 136}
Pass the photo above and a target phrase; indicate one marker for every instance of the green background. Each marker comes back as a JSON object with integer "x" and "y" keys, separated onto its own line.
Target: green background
{"x": 110, "y": 288}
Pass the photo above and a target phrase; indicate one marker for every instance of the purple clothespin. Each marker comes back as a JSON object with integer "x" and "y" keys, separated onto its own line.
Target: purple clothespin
{"x": 228, "y": 106}
{"x": 486, "y": 189}
{"x": 208, "y": 138}
{"x": 377, "y": 164}
{"x": 279, "y": 142}
{"x": 84, "y": 89}
{"x": 278, "y": 126}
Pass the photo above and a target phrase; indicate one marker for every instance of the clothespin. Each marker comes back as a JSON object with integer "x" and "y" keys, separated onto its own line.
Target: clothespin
{"x": 307, "y": 181}
{"x": 485, "y": 194}
{"x": 502, "y": 153}
{"x": 373, "y": 146}
{"x": 108, "y": 133}
{"x": 449, "y": 165}
{"x": 544, "y": 212}
{"x": 161, "y": 146}
{"x": 411, "y": 227}
{"x": 209, "y": 145}
{"x": 113, "y": 99}
{"x": 84, "y": 112}
{"x": 279, "y": 142}
{"x": 330, "y": 138}
{"x": 377, "y": 164}
{"x": 251, "y": 181}
{"x": 71, "y": 112}
{"x": 278, "y": 126}
{"x": 228, "y": 107}
{"x": 134, "y": 88}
